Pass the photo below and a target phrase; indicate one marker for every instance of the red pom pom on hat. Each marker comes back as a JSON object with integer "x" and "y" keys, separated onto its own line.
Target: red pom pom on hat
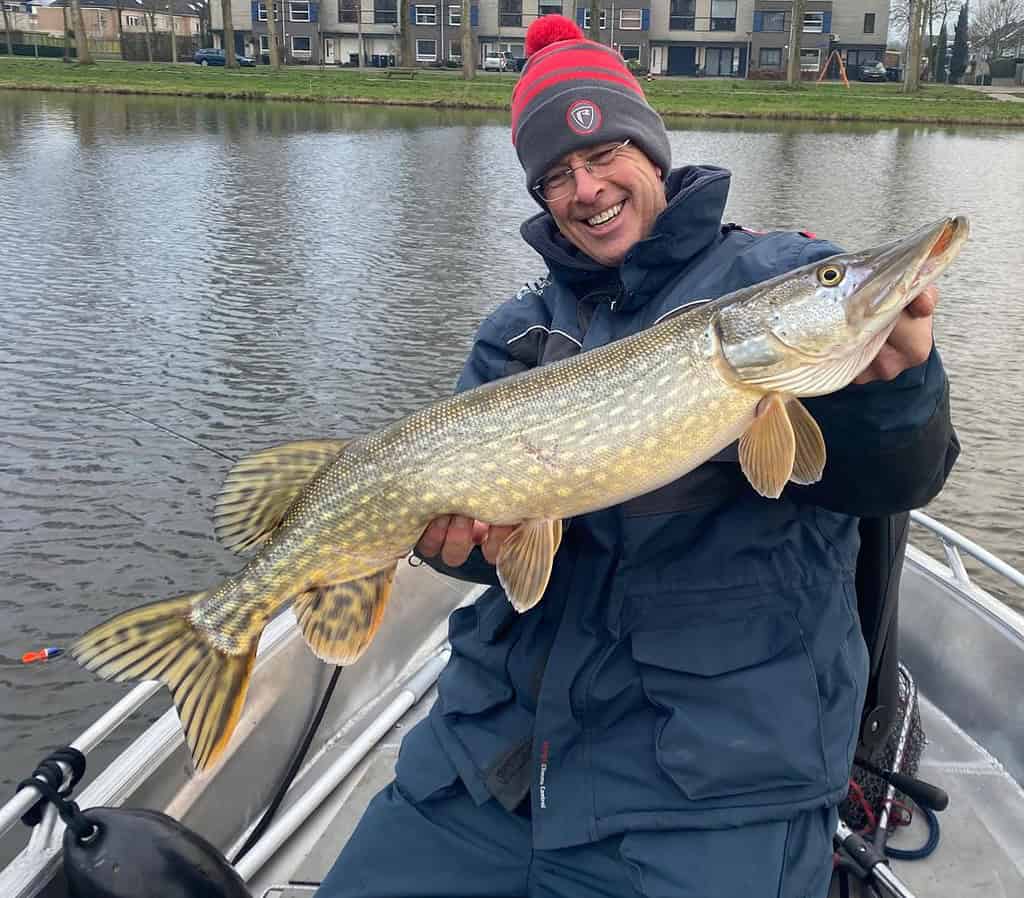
{"x": 549, "y": 30}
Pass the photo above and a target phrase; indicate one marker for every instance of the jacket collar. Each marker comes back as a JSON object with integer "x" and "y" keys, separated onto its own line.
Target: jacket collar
{"x": 689, "y": 224}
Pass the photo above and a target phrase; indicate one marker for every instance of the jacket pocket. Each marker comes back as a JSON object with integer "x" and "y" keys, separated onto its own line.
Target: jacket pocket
{"x": 424, "y": 770}
{"x": 739, "y": 711}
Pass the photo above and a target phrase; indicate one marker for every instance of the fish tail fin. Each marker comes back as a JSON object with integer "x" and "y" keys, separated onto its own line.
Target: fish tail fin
{"x": 158, "y": 641}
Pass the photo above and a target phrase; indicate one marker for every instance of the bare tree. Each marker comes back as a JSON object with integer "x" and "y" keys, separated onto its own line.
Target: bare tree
{"x": 174, "y": 36}
{"x": 594, "y": 31}
{"x": 988, "y": 25}
{"x": 7, "y": 29}
{"x": 81, "y": 39}
{"x": 796, "y": 28}
{"x": 468, "y": 43}
{"x": 912, "y": 69}
{"x": 119, "y": 12}
{"x": 275, "y": 10}
{"x": 229, "y": 35}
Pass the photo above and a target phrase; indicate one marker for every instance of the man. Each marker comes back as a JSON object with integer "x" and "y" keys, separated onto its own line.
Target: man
{"x": 677, "y": 716}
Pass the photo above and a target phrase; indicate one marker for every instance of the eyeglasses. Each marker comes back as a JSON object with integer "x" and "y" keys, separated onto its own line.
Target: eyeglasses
{"x": 560, "y": 184}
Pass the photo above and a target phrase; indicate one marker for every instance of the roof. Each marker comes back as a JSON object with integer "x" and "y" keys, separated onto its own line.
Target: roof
{"x": 181, "y": 7}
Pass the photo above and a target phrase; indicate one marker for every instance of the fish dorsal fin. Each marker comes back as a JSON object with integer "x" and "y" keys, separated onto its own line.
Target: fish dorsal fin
{"x": 809, "y": 457}
{"x": 768, "y": 448}
{"x": 339, "y": 620}
{"x": 260, "y": 489}
{"x": 525, "y": 560}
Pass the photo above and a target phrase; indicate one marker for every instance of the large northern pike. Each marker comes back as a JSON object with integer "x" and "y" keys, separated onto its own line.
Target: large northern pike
{"x": 333, "y": 518}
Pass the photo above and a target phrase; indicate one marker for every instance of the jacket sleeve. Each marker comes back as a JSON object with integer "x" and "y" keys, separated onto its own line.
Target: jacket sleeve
{"x": 890, "y": 445}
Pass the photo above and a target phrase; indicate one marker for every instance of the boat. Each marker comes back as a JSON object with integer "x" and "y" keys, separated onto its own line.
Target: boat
{"x": 964, "y": 647}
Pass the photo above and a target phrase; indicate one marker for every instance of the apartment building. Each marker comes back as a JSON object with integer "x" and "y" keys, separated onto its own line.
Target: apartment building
{"x": 711, "y": 38}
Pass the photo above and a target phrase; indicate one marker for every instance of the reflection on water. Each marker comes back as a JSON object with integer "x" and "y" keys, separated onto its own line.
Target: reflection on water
{"x": 244, "y": 274}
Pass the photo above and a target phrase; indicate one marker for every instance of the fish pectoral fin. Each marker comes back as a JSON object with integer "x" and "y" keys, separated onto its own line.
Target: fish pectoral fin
{"x": 159, "y": 642}
{"x": 339, "y": 620}
{"x": 809, "y": 457}
{"x": 525, "y": 560}
{"x": 768, "y": 448}
{"x": 260, "y": 489}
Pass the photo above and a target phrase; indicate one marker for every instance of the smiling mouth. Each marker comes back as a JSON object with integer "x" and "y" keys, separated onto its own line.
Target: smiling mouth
{"x": 606, "y": 216}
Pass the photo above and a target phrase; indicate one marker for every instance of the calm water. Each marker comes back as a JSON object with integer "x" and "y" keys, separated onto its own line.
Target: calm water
{"x": 185, "y": 281}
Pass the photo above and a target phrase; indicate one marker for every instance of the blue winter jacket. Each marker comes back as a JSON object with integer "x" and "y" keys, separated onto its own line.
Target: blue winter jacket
{"x": 696, "y": 660}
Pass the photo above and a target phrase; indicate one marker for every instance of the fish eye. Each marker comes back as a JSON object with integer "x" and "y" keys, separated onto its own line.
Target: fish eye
{"x": 830, "y": 275}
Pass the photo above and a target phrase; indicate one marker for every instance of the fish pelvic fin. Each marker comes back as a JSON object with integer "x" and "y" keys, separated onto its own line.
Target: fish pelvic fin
{"x": 768, "y": 449}
{"x": 525, "y": 561}
{"x": 809, "y": 455}
{"x": 339, "y": 620}
{"x": 159, "y": 642}
{"x": 260, "y": 489}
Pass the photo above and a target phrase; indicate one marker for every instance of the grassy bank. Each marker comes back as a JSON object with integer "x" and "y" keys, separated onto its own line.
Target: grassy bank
{"x": 670, "y": 96}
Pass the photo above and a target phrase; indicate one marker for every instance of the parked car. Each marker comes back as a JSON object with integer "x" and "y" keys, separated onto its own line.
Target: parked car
{"x": 873, "y": 71}
{"x": 495, "y": 62}
{"x": 215, "y": 56}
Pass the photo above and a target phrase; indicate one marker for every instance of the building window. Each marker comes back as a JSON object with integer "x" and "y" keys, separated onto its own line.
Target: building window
{"x": 261, "y": 12}
{"x": 510, "y": 13}
{"x": 426, "y": 51}
{"x": 814, "y": 22}
{"x": 426, "y": 15}
{"x": 302, "y": 44}
{"x": 869, "y": 23}
{"x": 770, "y": 58}
{"x": 264, "y": 43}
{"x": 133, "y": 21}
{"x": 631, "y": 19}
{"x": 549, "y": 9}
{"x": 385, "y": 12}
{"x": 348, "y": 10}
{"x": 586, "y": 19}
{"x": 298, "y": 11}
{"x": 810, "y": 60}
{"x": 723, "y": 15}
{"x": 773, "y": 21}
{"x": 682, "y": 15}
{"x": 454, "y": 15}
{"x": 630, "y": 51}
{"x": 455, "y": 52}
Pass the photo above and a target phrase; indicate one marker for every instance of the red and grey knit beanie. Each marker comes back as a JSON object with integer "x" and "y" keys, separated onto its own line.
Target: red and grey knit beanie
{"x": 574, "y": 93}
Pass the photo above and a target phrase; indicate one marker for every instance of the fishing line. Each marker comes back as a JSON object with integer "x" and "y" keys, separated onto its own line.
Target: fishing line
{"x": 168, "y": 430}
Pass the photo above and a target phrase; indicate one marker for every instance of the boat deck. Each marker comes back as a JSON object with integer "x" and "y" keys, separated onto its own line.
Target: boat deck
{"x": 981, "y": 851}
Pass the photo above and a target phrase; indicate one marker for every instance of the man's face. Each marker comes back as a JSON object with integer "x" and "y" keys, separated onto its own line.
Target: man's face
{"x": 604, "y": 217}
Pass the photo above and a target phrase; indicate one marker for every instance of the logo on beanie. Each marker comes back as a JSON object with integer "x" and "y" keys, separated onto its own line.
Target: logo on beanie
{"x": 584, "y": 117}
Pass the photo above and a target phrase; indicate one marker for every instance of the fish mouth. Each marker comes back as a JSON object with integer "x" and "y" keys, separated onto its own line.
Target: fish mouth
{"x": 902, "y": 269}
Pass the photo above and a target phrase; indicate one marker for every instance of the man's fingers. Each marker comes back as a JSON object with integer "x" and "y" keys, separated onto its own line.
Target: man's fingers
{"x": 923, "y": 305}
{"x": 433, "y": 537}
{"x": 459, "y": 541}
{"x": 496, "y": 535}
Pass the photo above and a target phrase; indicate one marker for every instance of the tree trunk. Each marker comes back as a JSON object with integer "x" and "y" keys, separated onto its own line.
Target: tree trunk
{"x": 81, "y": 39}
{"x": 407, "y": 45}
{"x": 147, "y": 20}
{"x": 359, "y": 29}
{"x": 468, "y": 43}
{"x": 796, "y": 29}
{"x": 120, "y": 26}
{"x": 594, "y": 31}
{"x": 229, "y": 35}
{"x": 7, "y": 29}
{"x": 67, "y": 36}
{"x": 274, "y": 34}
{"x": 912, "y": 70}
{"x": 174, "y": 38}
